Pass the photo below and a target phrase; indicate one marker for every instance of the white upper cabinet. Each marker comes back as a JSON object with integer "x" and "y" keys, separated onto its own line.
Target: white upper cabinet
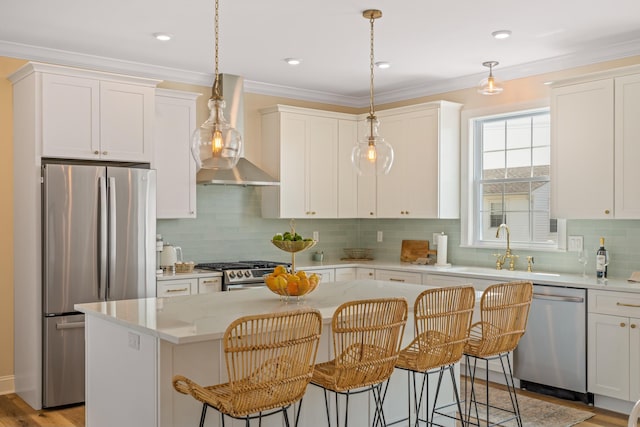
{"x": 93, "y": 115}
{"x": 594, "y": 149}
{"x": 300, "y": 147}
{"x": 582, "y": 150}
{"x": 627, "y": 146}
{"x": 347, "y": 175}
{"x": 176, "y": 168}
{"x": 424, "y": 178}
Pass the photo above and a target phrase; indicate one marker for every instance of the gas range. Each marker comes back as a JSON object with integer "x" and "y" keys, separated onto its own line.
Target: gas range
{"x": 242, "y": 274}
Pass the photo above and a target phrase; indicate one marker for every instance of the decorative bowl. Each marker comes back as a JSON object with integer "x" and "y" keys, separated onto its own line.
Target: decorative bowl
{"x": 294, "y": 245}
{"x": 358, "y": 253}
{"x": 286, "y": 284}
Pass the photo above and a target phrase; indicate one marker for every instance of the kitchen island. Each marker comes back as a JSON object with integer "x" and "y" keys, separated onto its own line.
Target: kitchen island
{"x": 134, "y": 347}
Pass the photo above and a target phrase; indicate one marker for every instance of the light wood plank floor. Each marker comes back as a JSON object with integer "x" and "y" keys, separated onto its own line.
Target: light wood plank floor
{"x": 14, "y": 412}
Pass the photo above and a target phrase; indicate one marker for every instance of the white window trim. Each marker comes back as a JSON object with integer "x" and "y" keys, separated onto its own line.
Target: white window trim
{"x": 467, "y": 159}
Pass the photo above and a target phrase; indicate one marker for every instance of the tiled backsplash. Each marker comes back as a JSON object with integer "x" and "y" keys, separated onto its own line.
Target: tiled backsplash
{"x": 230, "y": 227}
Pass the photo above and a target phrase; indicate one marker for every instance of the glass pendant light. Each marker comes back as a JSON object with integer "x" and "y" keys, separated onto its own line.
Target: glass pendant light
{"x": 216, "y": 144}
{"x": 490, "y": 85}
{"x": 372, "y": 155}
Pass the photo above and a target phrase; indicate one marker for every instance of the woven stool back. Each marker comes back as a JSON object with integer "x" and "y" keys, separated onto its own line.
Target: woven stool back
{"x": 366, "y": 336}
{"x": 504, "y": 311}
{"x": 442, "y": 318}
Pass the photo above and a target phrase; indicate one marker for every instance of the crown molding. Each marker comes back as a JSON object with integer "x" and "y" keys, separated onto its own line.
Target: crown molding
{"x": 562, "y": 62}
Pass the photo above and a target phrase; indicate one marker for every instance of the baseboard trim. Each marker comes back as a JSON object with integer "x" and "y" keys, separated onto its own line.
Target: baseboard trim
{"x": 7, "y": 385}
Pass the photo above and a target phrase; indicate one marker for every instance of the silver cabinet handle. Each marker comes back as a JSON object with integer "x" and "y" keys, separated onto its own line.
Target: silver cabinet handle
{"x": 70, "y": 325}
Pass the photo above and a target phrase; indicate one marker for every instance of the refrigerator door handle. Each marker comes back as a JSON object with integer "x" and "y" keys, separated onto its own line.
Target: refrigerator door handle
{"x": 112, "y": 234}
{"x": 102, "y": 268}
{"x": 70, "y": 325}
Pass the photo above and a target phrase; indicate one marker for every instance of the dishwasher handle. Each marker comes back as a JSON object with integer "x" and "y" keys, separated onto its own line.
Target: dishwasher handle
{"x": 561, "y": 298}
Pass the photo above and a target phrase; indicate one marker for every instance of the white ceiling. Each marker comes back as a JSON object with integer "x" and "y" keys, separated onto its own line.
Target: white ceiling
{"x": 433, "y": 46}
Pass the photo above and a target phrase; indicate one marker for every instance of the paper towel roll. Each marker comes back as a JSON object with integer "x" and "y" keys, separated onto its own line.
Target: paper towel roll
{"x": 441, "y": 260}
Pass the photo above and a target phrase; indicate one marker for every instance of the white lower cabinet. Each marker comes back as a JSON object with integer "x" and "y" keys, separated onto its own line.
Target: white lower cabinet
{"x": 176, "y": 287}
{"x": 209, "y": 284}
{"x": 346, "y": 273}
{"x": 613, "y": 344}
{"x": 326, "y": 274}
{"x": 365, "y": 273}
{"x": 398, "y": 276}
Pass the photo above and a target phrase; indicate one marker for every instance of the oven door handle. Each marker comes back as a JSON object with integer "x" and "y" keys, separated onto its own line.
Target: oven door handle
{"x": 244, "y": 286}
{"x": 558, "y": 298}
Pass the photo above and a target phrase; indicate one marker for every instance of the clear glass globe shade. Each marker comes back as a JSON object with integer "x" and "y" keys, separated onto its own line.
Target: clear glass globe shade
{"x": 372, "y": 155}
{"x": 216, "y": 144}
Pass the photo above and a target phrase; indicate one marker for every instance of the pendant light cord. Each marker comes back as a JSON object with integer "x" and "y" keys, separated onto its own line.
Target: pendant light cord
{"x": 371, "y": 61}
{"x": 216, "y": 86}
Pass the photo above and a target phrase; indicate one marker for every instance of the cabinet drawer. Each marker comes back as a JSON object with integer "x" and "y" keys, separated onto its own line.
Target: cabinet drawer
{"x": 399, "y": 276}
{"x": 173, "y": 288}
{"x": 346, "y": 273}
{"x": 209, "y": 284}
{"x": 616, "y": 303}
{"x": 438, "y": 280}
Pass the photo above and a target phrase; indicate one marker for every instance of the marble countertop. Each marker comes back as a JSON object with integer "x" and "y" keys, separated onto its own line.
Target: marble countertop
{"x": 195, "y": 274}
{"x": 542, "y": 278}
{"x": 204, "y": 317}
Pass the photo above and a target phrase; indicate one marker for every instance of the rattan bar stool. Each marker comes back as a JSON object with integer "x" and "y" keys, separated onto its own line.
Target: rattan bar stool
{"x": 269, "y": 361}
{"x": 367, "y": 335}
{"x": 504, "y": 310}
{"x": 442, "y": 318}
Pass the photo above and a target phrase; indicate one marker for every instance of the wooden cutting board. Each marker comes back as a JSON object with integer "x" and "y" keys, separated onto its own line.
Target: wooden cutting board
{"x": 414, "y": 249}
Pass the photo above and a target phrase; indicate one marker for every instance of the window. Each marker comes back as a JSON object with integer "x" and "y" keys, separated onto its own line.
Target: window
{"x": 510, "y": 179}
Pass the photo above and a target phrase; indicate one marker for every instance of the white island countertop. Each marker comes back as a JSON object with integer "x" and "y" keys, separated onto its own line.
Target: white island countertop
{"x": 203, "y": 317}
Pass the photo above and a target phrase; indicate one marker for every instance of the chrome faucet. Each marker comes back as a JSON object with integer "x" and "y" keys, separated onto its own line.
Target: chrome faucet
{"x": 501, "y": 259}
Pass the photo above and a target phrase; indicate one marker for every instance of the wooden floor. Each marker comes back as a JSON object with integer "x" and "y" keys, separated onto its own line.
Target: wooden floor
{"x": 15, "y": 413}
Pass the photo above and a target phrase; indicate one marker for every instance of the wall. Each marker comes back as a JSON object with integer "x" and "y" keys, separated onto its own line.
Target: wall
{"x": 7, "y": 66}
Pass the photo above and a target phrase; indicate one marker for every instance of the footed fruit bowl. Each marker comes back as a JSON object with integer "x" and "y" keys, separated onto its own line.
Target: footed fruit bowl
{"x": 286, "y": 284}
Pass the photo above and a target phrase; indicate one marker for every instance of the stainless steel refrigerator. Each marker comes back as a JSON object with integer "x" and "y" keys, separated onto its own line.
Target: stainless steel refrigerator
{"x": 99, "y": 226}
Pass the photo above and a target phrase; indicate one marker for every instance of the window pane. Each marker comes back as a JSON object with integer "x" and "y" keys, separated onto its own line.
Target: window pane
{"x": 493, "y": 165}
{"x": 493, "y": 136}
{"x": 519, "y": 133}
{"x": 541, "y": 156}
{"x": 518, "y": 158}
{"x": 541, "y": 130}
{"x": 519, "y": 226}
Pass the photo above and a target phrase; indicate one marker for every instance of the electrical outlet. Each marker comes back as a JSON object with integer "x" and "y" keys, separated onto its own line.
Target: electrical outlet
{"x": 575, "y": 243}
{"x": 379, "y": 236}
{"x": 134, "y": 341}
{"x": 316, "y": 236}
{"x": 434, "y": 241}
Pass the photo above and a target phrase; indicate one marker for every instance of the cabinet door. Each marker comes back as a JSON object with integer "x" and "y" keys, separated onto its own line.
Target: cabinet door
{"x": 177, "y": 287}
{"x": 326, "y": 274}
{"x": 410, "y": 190}
{"x": 70, "y": 117}
{"x": 634, "y": 359}
{"x": 347, "y": 273}
{"x": 126, "y": 122}
{"x": 321, "y": 167}
{"x": 176, "y": 168}
{"x": 365, "y": 273}
{"x": 347, "y": 175}
{"x": 608, "y": 355}
{"x": 209, "y": 284}
{"x": 293, "y": 131}
{"x": 582, "y": 150}
{"x": 627, "y": 148}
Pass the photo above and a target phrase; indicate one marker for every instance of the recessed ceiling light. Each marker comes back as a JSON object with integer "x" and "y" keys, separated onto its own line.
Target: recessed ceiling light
{"x": 163, "y": 36}
{"x": 293, "y": 61}
{"x": 383, "y": 64}
{"x": 501, "y": 34}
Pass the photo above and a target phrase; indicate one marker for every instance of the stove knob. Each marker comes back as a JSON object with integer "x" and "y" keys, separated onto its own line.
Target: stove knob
{"x": 247, "y": 273}
{"x": 232, "y": 275}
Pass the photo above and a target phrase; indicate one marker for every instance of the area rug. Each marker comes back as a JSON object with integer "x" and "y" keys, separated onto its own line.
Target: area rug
{"x": 534, "y": 412}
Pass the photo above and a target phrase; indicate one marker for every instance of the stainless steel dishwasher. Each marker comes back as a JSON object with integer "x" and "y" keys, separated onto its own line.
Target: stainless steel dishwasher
{"x": 551, "y": 357}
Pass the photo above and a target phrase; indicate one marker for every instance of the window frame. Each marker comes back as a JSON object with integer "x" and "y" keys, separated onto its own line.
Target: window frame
{"x": 469, "y": 208}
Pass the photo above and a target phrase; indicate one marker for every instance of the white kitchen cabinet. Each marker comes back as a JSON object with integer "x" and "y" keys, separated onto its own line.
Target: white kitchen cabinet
{"x": 345, "y": 273}
{"x": 207, "y": 285}
{"x": 326, "y": 274}
{"x": 594, "y": 125}
{"x": 613, "y": 344}
{"x": 582, "y": 135}
{"x": 347, "y": 175}
{"x": 365, "y": 273}
{"x": 176, "y": 168}
{"x": 300, "y": 147}
{"x": 398, "y": 276}
{"x": 424, "y": 179}
{"x": 176, "y": 287}
{"x": 95, "y": 116}
{"x": 626, "y": 147}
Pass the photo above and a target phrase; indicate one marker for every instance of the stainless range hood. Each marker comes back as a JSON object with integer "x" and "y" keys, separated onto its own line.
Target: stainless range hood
{"x": 244, "y": 173}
